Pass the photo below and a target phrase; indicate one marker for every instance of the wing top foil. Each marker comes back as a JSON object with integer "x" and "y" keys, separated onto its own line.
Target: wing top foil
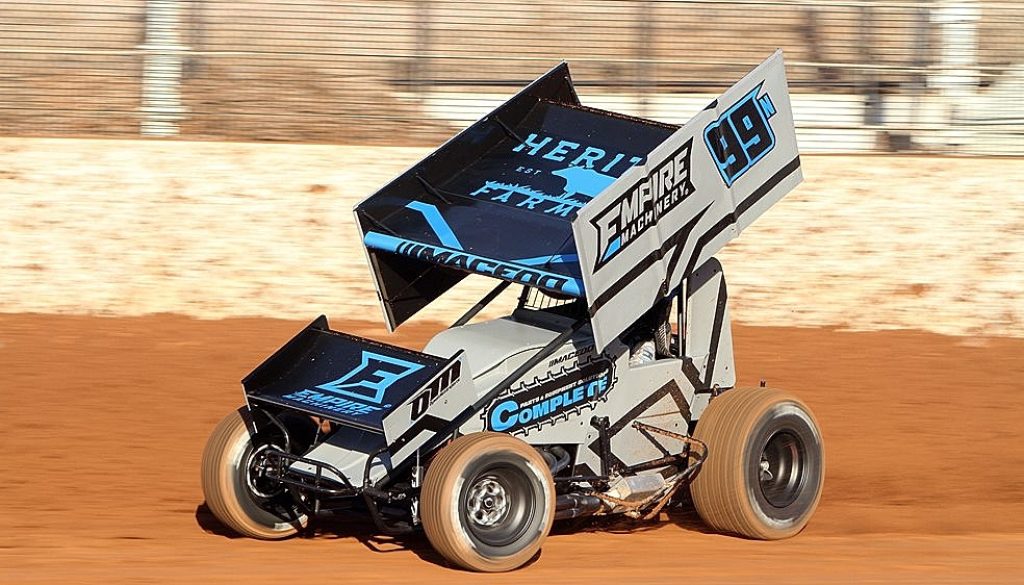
{"x": 499, "y": 198}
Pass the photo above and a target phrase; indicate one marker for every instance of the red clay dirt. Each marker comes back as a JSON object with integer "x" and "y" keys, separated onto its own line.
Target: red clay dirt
{"x": 102, "y": 422}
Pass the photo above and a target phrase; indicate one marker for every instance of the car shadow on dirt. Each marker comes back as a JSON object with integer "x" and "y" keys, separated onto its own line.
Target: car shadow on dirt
{"x": 209, "y": 523}
{"x": 350, "y": 525}
{"x": 684, "y": 517}
{"x": 339, "y": 525}
{"x": 361, "y": 528}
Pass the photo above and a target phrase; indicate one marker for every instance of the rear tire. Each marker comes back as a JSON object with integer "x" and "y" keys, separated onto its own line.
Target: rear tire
{"x": 766, "y": 464}
{"x": 240, "y": 500}
{"x": 488, "y": 502}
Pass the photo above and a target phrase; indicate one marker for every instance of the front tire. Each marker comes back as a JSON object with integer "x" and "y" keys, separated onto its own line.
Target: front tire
{"x": 765, "y": 467}
{"x": 488, "y": 502}
{"x": 248, "y": 504}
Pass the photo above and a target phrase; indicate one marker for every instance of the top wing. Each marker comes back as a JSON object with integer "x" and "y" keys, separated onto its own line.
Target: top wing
{"x": 696, "y": 191}
{"x": 499, "y": 198}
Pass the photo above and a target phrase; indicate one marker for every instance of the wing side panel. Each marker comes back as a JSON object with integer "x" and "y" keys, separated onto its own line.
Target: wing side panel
{"x": 697, "y": 191}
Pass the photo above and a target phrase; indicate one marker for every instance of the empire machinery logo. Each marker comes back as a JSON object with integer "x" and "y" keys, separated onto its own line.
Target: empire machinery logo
{"x": 643, "y": 204}
{"x": 555, "y": 397}
{"x": 362, "y": 390}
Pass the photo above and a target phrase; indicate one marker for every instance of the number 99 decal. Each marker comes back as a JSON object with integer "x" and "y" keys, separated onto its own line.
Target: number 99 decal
{"x": 741, "y": 136}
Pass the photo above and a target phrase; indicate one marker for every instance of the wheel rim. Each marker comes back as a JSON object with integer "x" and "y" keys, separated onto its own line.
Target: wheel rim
{"x": 260, "y": 487}
{"x": 781, "y": 469}
{"x": 499, "y": 506}
{"x": 488, "y": 502}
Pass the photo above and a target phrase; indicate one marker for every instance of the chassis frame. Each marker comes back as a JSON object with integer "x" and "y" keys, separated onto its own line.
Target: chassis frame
{"x": 578, "y": 494}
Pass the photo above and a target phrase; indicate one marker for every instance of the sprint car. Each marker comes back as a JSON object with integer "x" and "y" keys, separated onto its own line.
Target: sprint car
{"x": 608, "y": 389}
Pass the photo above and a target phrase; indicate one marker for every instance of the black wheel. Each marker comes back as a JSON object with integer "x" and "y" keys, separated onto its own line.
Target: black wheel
{"x": 765, "y": 467}
{"x": 487, "y": 502}
{"x": 236, "y": 489}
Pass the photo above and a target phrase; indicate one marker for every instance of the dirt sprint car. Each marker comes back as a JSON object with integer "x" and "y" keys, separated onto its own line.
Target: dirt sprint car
{"x": 608, "y": 389}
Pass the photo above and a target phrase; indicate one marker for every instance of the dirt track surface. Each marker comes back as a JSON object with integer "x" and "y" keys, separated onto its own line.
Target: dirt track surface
{"x": 102, "y": 422}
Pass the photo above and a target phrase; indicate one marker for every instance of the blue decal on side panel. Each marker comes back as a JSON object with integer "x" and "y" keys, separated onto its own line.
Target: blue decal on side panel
{"x": 741, "y": 136}
{"x": 585, "y": 170}
{"x": 529, "y": 198}
{"x": 361, "y": 390}
{"x": 332, "y": 403}
{"x": 641, "y": 206}
{"x": 544, "y": 260}
{"x": 556, "y": 397}
{"x": 613, "y": 247}
{"x": 375, "y": 374}
{"x": 437, "y": 223}
{"x": 567, "y": 151}
{"x": 583, "y": 181}
{"x": 466, "y": 261}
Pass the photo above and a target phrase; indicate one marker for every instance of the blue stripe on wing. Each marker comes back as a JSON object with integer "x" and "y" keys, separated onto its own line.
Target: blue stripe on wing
{"x": 437, "y": 223}
{"x": 542, "y": 260}
{"x": 504, "y": 270}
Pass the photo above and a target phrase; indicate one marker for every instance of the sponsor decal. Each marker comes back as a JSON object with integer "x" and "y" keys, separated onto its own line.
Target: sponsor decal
{"x": 556, "y": 397}
{"x": 571, "y": 355}
{"x": 466, "y": 261}
{"x": 641, "y": 206}
{"x": 360, "y": 391}
{"x": 529, "y": 198}
{"x": 742, "y": 135}
{"x": 436, "y": 388}
{"x": 587, "y": 171}
{"x": 332, "y": 403}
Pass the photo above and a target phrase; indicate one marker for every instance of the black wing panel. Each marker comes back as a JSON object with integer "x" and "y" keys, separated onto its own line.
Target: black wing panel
{"x": 499, "y": 198}
{"x": 344, "y": 378}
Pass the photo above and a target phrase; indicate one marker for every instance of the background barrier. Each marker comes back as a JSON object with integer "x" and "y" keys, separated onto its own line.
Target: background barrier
{"x": 910, "y": 76}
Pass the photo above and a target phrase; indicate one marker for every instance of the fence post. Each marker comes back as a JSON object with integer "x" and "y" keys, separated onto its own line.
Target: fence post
{"x": 874, "y": 111}
{"x": 421, "y": 69}
{"x": 644, "y": 68}
{"x": 163, "y": 56}
{"x": 957, "y": 76}
{"x": 922, "y": 60}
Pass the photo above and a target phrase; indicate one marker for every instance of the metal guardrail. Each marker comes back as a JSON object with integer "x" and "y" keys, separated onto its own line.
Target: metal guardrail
{"x": 938, "y": 76}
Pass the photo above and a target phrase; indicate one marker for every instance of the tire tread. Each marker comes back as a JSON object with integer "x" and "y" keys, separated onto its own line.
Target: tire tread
{"x": 217, "y": 477}
{"x": 720, "y": 491}
{"x": 437, "y": 498}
